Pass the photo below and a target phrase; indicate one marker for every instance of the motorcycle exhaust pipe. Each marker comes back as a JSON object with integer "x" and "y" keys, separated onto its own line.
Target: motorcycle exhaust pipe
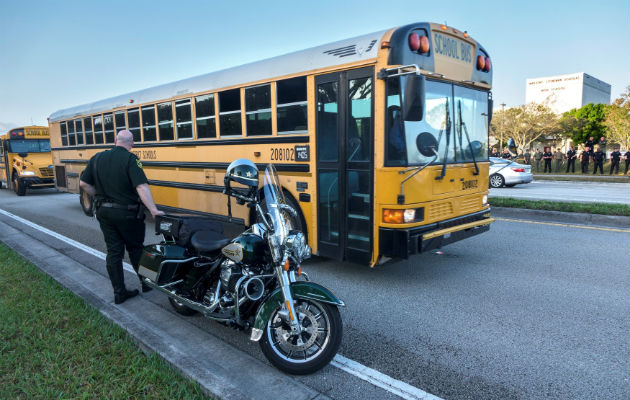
{"x": 254, "y": 289}
{"x": 187, "y": 302}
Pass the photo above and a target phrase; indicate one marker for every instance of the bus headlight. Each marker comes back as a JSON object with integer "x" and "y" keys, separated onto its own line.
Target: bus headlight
{"x": 484, "y": 200}
{"x": 27, "y": 173}
{"x": 393, "y": 216}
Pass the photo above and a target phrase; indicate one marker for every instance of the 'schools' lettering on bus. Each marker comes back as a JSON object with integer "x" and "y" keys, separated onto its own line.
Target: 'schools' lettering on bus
{"x": 452, "y": 48}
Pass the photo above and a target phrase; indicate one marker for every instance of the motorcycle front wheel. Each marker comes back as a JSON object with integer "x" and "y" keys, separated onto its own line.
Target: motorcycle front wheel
{"x": 313, "y": 348}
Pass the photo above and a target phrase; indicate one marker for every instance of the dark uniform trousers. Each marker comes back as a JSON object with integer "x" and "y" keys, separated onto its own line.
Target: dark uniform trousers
{"x": 121, "y": 229}
{"x": 614, "y": 166}
{"x": 627, "y": 165}
{"x": 598, "y": 164}
{"x": 571, "y": 164}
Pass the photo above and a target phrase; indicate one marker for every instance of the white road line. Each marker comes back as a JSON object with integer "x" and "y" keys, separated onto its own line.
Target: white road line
{"x": 71, "y": 242}
{"x": 367, "y": 374}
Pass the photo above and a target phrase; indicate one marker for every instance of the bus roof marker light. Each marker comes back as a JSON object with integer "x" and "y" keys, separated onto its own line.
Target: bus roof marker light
{"x": 130, "y": 101}
{"x": 414, "y": 41}
{"x": 443, "y": 27}
{"x": 465, "y": 34}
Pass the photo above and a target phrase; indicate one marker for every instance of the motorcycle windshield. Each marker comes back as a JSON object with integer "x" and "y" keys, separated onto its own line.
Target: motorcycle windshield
{"x": 274, "y": 200}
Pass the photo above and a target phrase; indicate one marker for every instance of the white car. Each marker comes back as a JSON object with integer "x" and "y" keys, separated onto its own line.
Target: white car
{"x": 508, "y": 173}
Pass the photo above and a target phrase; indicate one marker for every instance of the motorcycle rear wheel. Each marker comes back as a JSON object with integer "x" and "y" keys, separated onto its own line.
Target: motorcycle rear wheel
{"x": 310, "y": 351}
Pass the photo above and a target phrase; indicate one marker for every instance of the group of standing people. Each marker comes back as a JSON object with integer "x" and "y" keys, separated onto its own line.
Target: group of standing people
{"x": 590, "y": 153}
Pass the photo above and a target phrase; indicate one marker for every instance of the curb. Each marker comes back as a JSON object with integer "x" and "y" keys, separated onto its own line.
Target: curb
{"x": 615, "y": 221}
{"x": 582, "y": 178}
{"x": 221, "y": 369}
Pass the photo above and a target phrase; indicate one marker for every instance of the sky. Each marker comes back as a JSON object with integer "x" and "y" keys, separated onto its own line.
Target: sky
{"x": 55, "y": 55}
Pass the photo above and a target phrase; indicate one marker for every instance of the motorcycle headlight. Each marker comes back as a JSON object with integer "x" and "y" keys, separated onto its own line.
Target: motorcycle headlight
{"x": 296, "y": 243}
{"x": 27, "y": 173}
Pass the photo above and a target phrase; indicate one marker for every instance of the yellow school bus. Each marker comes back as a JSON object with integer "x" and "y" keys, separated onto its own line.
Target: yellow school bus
{"x": 25, "y": 159}
{"x": 381, "y": 141}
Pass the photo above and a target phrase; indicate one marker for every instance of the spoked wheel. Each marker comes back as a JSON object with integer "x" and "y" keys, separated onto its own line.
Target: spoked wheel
{"x": 496, "y": 181}
{"x": 313, "y": 348}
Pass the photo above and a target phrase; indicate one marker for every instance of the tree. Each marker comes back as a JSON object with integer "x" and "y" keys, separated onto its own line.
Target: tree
{"x": 584, "y": 122}
{"x": 617, "y": 121}
{"x": 525, "y": 124}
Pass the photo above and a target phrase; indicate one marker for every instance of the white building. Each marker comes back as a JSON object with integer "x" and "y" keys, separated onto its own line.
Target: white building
{"x": 566, "y": 92}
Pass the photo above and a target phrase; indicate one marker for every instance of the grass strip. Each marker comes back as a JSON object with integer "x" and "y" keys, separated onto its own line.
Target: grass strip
{"x": 54, "y": 345}
{"x": 590, "y": 208}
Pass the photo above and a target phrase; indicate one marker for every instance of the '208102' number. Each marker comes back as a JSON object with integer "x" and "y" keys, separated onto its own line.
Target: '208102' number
{"x": 278, "y": 154}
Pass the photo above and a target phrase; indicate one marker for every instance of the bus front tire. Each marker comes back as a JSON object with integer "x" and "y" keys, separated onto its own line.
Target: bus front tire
{"x": 18, "y": 186}
{"x": 87, "y": 203}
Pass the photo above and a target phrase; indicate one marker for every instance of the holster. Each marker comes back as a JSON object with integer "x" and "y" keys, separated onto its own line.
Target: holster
{"x": 140, "y": 213}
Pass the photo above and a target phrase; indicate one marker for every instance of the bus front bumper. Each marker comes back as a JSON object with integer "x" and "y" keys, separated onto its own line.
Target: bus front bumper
{"x": 36, "y": 182}
{"x": 401, "y": 243}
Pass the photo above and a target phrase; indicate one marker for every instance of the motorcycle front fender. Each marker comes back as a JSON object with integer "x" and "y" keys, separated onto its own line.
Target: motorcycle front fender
{"x": 299, "y": 290}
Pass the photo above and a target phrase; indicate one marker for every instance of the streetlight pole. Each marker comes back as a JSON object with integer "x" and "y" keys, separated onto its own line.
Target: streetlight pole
{"x": 502, "y": 126}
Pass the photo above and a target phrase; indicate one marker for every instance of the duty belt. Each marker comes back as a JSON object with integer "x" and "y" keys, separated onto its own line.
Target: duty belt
{"x": 132, "y": 207}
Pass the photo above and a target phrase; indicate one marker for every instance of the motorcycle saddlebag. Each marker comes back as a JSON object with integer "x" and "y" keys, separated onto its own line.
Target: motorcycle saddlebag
{"x": 153, "y": 265}
{"x": 181, "y": 228}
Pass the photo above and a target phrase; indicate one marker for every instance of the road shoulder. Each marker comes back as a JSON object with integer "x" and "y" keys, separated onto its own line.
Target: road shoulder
{"x": 562, "y": 217}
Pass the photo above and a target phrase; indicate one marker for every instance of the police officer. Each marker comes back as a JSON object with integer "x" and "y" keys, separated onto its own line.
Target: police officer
{"x": 547, "y": 156}
{"x": 117, "y": 182}
{"x": 558, "y": 156}
{"x": 598, "y": 158}
{"x": 615, "y": 157}
{"x": 590, "y": 143}
{"x": 537, "y": 157}
{"x": 527, "y": 157}
{"x": 626, "y": 157}
{"x": 571, "y": 156}
{"x": 585, "y": 156}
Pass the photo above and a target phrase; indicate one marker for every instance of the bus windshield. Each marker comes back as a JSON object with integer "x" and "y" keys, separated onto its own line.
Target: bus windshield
{"x": 29, "y": 146}
{"x": 454, "y": 115}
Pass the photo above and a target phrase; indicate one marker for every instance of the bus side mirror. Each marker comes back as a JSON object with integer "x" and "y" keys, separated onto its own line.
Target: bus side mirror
{"x": 490, "y": 106}
{"x": 511, "y": 146}
{"x": 22, "y": 154}
{"x": 414, "y": 98}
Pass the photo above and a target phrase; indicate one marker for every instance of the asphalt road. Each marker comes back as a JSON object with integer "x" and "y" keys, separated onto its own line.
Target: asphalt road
{"x": 587, "y": 192}
{"x": 526, "y": 310}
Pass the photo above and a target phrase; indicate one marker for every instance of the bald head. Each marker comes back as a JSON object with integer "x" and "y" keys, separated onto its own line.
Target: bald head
{"x": 124, "y": 139}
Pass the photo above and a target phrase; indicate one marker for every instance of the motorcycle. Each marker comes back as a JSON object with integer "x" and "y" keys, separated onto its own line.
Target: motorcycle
{"x": 253, "y": 282}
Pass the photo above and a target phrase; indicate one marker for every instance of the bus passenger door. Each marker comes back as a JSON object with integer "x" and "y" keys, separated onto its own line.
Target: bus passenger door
{"x": 345, "y": 133}
{"x": 5, "y": 173}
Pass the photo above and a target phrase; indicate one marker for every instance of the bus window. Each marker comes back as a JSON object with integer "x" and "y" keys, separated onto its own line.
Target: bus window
{"x": 292, "y": 105}
{"x": 395, "y": 132}
{"x": 64, "y": 133}
{"x": 258, "y": 110}
{"x": 327, "y": 119}
{"x": 204, "y": 111}
{"x": 89, "y": 135}
{"x": 360, "y": 124}
{"x": 98, "y": 129}
{"x": 72, "y": 141}
{"x": 133, "y": 119}
{"x": 108, "y": 123}
{"x": 119, "y": 119}
{"x": 148, "y": 123}
{"x": 230, "y": 113}
{"x": 183, "y": 118}
{"x": 78, "y": 131}
{"x": 165, "y": 121}
{"x": 29, "y": 146}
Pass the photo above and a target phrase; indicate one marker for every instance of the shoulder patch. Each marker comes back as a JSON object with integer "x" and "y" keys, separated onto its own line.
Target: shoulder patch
{"x": 139, "y": 163}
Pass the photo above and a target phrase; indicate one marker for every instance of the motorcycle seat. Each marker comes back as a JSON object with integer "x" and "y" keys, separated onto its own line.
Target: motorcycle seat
{"x": 208, "y": 241}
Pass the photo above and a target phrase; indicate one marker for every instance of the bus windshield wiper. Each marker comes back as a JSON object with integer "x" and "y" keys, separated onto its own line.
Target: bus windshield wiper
{"x": 462, "y": 124}
{"x": 448, "y": 140}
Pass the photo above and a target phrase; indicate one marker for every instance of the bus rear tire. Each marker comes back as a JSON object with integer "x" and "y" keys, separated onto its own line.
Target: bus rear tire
{"x": 18, "y": 186}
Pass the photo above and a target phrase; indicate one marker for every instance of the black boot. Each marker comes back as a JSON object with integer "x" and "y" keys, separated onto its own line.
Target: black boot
{"x": 116, "y": 276}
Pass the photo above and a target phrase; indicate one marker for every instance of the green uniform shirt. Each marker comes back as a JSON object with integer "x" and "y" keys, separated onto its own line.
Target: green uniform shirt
{"x": 119, "y": 173}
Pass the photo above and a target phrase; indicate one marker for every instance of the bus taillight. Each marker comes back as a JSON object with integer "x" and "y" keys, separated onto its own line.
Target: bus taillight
{"x": 414, "y": 42}
{"x": 424, "y": 45}
{"x": 487, "y": 66}
{"x": 481, "y": 62}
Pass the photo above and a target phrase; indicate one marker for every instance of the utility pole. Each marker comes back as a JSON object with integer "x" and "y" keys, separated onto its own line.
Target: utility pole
{"x": 502, "y": 127}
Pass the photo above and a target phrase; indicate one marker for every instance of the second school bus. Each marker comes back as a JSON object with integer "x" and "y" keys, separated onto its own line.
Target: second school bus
{"x": 380, "y": 140}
